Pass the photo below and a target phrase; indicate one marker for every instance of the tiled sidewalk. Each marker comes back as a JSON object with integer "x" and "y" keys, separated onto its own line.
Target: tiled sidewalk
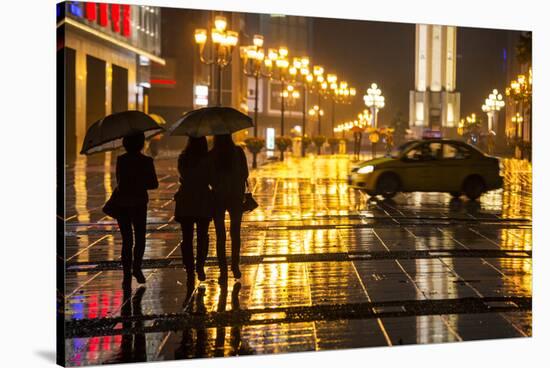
{"x": 324, "y": 267}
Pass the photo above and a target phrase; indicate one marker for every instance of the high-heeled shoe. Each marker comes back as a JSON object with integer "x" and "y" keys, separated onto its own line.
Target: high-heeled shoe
{"x": 236, "y": 271}
{"x": 138, "y": 274}
{"x": 200, "y": 273}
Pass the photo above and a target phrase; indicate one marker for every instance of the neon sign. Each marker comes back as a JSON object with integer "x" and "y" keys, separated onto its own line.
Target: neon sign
{"x": 115, "y": 16}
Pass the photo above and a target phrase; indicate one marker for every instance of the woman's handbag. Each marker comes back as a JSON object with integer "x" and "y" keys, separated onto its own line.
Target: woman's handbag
{"x": 249, "y": 203}
{"x": 112, "y": 207}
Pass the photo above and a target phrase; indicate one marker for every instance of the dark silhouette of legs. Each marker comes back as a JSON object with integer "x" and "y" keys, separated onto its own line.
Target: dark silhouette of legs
{"x": 187, "y": 227}
{"x": 235, "y": 216}
{"x": 219, "y": 224}
{"x": 139, "y": 222}
{"x": 202, "y": 246}
{"x": 125, "y": 226}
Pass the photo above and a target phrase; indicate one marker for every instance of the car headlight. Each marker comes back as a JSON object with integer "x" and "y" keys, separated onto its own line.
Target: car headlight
{"x": 366, "y": 169}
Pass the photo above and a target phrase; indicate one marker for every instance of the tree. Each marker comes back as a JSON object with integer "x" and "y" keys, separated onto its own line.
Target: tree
{"x": 282, "y": 143}
{"x": 254, "y": 145}
{"x": 333, "y": 143}
{"x": 319, "y": 140}
{"x": 306, "y": 142}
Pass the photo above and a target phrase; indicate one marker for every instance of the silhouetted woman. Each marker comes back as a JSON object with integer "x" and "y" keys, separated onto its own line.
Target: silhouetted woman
{"x": 135, "y": 174}
{"x": 194, "y": 204}
{"x": 229, "y": 180}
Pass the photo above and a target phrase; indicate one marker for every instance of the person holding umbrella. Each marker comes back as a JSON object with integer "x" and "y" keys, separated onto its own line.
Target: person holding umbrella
{"x": 135, "y": 175}
{"x": 229, "y": 173}
{"x": 194, "y": 204}
{"x": 228, "y": 185}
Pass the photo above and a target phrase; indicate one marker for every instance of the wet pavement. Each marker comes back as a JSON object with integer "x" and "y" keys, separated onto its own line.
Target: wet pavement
{"x": 324, "y": 267}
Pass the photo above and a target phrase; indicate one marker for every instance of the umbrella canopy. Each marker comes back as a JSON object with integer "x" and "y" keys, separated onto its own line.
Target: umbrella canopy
{"x": 106, "y": 134}
{"x": 211, "y": 121}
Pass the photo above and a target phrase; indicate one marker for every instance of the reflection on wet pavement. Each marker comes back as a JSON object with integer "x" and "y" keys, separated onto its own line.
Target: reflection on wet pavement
{"x": 324, "y": 267}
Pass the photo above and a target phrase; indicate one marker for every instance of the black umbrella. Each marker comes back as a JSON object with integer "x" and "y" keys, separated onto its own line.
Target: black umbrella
{"x": 211, "y": 121}
{"x": 106, "y": 134}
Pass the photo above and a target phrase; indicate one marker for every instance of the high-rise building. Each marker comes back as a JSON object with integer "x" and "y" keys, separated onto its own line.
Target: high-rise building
{"x": 435, "y": 103}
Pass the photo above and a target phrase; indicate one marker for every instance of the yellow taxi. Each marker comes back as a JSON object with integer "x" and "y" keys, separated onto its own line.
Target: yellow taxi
{"x": 435, "y": 165}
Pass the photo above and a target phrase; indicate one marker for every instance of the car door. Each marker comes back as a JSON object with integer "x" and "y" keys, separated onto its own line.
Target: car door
{"x": 419, "y": 169}
{"x": 454, "y": 166}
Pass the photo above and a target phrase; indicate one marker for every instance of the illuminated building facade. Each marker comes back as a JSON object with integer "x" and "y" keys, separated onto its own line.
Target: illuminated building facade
{"x": 104, "y": 52}
{"x": 435, "y": 103}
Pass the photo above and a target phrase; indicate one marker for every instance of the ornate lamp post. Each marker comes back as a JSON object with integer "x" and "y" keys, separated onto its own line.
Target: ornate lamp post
{"x": 322, "y": 86}
{"x": 316, "y": 110}
{"x": 340, "y": 94}
{"x": 520, "y": 91}
{"x": 223, "y": 42}
{"x": 299, "y": 72}
{"x": 375, "y": 101}
{"x": 290, "y": 94}
{"x": 277, "y": 63}
{"x": 281, "y": 65}
{"x": 253, "y": 60}
{"x": 492, "y": 105}
{"x": 517, "y": 120}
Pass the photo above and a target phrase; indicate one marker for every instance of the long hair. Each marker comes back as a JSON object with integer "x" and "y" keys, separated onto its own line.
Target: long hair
{"x": 196, "y": 149}
{"x": 222, "y": 152}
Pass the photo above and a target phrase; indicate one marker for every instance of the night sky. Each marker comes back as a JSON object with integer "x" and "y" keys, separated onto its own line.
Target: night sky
{"x": 382, "y": 52}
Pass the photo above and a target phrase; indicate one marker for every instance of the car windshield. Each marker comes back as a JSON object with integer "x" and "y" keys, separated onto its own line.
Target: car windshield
{"x": 397, "y": 151}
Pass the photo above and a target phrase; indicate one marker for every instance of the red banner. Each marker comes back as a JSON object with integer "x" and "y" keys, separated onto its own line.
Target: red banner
{"x": 91, "y": 11}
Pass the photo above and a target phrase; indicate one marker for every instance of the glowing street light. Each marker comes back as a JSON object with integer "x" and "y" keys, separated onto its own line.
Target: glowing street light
{"x": 520, "y": 91}
{"x": 223, "y": 42}
{"x": 254, "y": 63}
{"x": 317, "y": 110}
{"x": 492, "y": 105}
{"x": 375, "y": 101}
{"x": 517, "y": 120}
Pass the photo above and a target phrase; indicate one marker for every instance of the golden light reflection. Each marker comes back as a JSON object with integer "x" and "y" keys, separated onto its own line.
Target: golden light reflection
{"x": 107, "y": 175}
{"x": 517, "y": 190}
{"x": 81, "y": 204}
{"x": 81, "y": 191}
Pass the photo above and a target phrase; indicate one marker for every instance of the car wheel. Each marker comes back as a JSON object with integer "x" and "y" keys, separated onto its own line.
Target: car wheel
{"x": 455, "y": 194}
{"x": 388, "y": 185}
{"x": 474, "y": 187}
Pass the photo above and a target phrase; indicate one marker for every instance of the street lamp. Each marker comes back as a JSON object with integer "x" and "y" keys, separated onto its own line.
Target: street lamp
{"x": 375, "y": 101}
{"x": 316, "y": 110}
{"x": 299, "y": 73}
{"x": 290, "y": 94}
{"x": 340, "y": 94}
{"x": 492, "y": 105}
{"x": 253, "y": 57}
{"x": 520, "y": 90}
{"x": 517, "y": 120}
{"x": 280, "y": 59}
{"x": 223, "y": 42}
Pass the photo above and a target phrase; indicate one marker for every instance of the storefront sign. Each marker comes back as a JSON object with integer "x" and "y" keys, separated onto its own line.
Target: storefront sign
{"x": 99, "y": 13}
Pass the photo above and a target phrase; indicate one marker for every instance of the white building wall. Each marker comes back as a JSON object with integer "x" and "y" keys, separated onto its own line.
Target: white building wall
{"x": 435, "y": 72}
